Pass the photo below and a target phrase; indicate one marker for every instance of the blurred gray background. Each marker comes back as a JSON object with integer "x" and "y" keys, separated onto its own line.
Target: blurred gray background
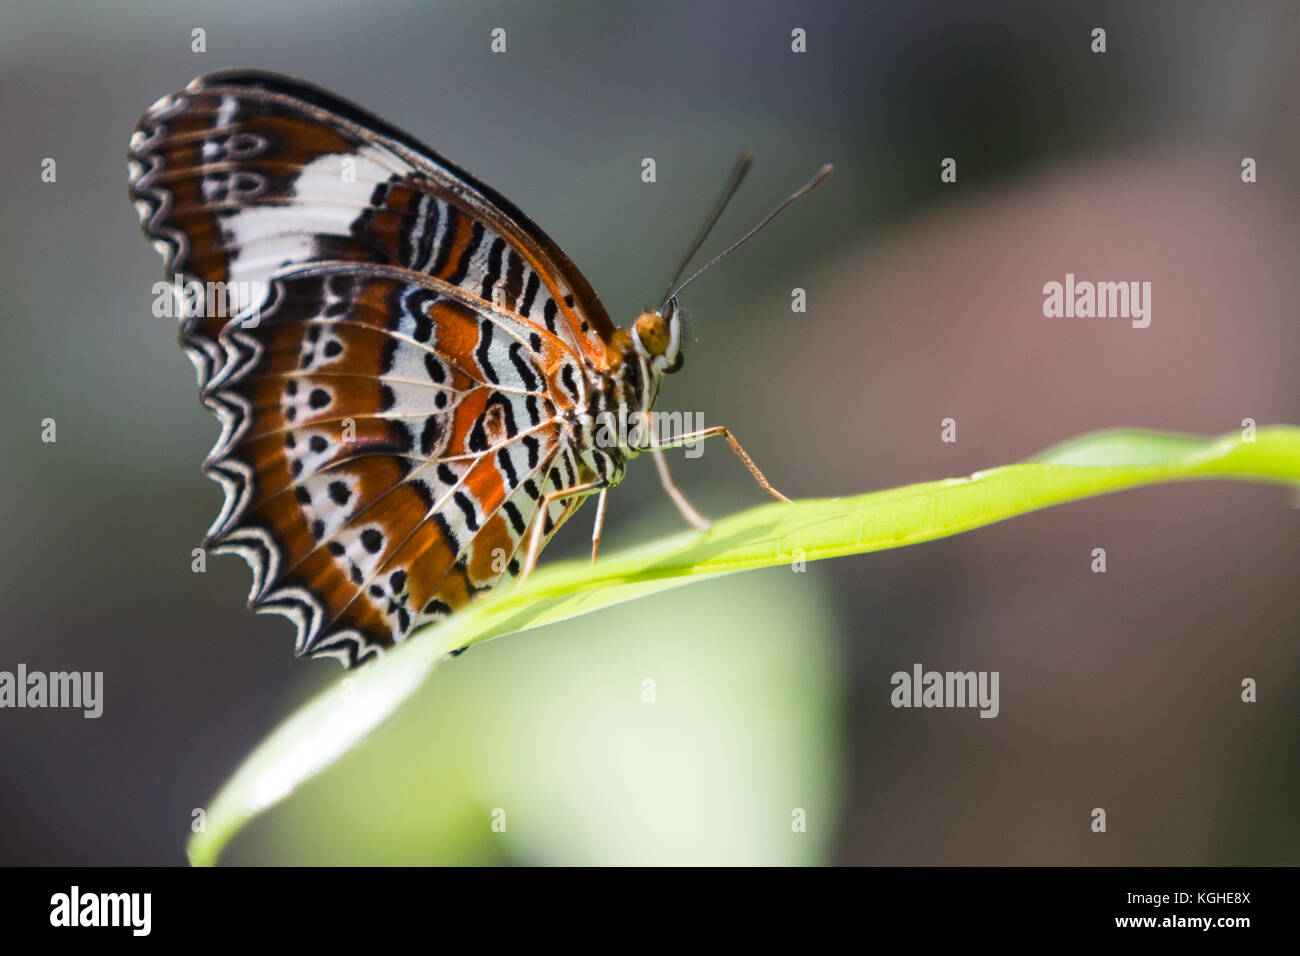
{"x": 924, "y": 302}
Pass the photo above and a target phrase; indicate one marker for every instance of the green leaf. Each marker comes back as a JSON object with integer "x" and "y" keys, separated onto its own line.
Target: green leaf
{"x": 339, "y": 718}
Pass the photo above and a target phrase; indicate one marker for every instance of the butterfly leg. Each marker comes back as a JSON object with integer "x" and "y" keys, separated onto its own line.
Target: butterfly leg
{"x": 688, "y": 512}
{"x": 599, "y": 529}
{"x": 691, "y": 438}
{"x": 539, "y": 522}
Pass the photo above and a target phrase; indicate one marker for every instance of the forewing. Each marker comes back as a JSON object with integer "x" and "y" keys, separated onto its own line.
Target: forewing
{"x": 244, "y": 173}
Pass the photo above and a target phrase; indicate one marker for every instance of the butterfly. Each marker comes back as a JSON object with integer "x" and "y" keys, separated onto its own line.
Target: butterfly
{"x": 411, "y": 378}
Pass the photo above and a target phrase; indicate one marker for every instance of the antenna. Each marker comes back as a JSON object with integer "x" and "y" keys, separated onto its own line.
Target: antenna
{"x": 737, "y": 177}
{"x": 805, "y": 188}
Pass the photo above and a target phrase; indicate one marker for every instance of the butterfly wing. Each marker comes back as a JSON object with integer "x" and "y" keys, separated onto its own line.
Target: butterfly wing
{"x": 399, "y": 350}
{"x": 245, "y": 172}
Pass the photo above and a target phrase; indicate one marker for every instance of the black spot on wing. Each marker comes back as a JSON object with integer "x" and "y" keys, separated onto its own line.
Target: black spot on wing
{"x": 433, "y": 211}
{"x": 416, "y": 302}
{"x": 516, "y": 519}
{"x": 439, "y": 264}
{"x": 523, "y": 366}
{"x": 498, "y": 406}
{"x": 493, "y": 274}
{"x": 514, "y": 278}
{"x": 484, "y": 352}
{"x": 444, "y": 528}
{"x": 507, "y": 467}
{"x": 467, "y": 254}
{"x": 466, "y": 506}
{"x": 431, "y": 434}
{"x": 570, "y": 381}
{"x": 421, "y": 488}
{"x": 530, "y": 293}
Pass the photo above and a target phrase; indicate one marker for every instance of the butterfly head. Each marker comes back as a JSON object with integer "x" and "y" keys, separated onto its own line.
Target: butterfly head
{"x": 657, "y": 337}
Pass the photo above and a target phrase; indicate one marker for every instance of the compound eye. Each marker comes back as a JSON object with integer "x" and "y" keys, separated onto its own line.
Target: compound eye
{"x": 652, "y": 330}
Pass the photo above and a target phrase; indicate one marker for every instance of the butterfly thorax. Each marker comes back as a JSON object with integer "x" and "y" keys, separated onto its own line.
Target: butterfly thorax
{"x": 618, "y": 421}
{"x": 611, "y": 428}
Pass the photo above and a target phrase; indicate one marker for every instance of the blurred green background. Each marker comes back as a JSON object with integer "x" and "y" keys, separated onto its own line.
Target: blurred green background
{"x": 924, "y": 302}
